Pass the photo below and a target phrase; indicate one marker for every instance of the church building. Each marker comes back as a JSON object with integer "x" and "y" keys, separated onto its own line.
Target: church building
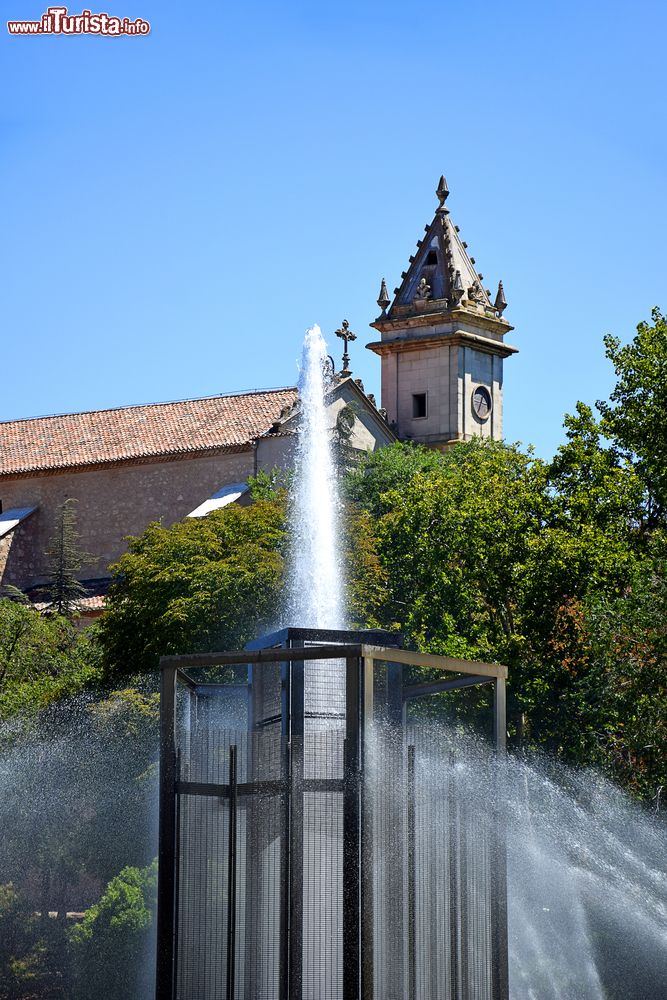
{"x": 441, "y": 348}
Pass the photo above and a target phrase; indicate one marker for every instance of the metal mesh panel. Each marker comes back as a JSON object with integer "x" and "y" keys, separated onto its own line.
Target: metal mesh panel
{"x": 323, "y": 867}
{"x": 324, "y": 692}
{"x": 272, "y": 901}
{"x": 266, "y": 694}
{"x": 203, "y": 898}
{"x": 432, "y": 842}
{"x": 261, "y": 842}
{"x": 201, "y": 968}
{"x": 260, "y": 899}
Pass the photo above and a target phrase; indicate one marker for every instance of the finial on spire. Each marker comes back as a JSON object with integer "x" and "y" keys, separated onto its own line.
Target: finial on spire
{"x": 345, "y": 335}
{"x": 501, "y": 302}
{"x": 383, "y": 297}
{"x": 442, "y": 193}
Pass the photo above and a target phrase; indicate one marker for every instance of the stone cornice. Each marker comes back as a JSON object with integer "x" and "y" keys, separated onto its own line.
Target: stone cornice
{"x": 460, "y": 338}
{"x": 454, "y": 316}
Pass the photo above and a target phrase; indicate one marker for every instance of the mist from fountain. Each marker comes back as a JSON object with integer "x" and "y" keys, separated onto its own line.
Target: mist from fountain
{"x": 586, "y": 879}
{"x": 587, "y": 887}
{"x": 315, "y": 581}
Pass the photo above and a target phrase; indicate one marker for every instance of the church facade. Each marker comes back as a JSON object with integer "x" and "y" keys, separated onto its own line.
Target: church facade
{"x": 441, "y": 348}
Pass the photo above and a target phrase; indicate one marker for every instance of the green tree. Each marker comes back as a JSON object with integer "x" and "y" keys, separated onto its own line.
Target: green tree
{"x": 635, "y": 417}
{"x": 201, "y": 584}
{"x": 624, "y": 688}
{"x": 593, "y": 481}
{"x": 66, "y": 559}
{"x": 484, "y": 559}
{"x": 41, "y": 658}
{"x": 392, "y": 468}
{"x": 113, "y": 945}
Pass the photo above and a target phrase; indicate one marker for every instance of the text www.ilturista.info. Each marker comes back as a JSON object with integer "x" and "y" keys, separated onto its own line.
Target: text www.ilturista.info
{"x": 57, "y": 21}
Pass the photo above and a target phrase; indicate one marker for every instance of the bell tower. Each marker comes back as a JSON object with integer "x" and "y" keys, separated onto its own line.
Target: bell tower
{"x": 442, "y": 343}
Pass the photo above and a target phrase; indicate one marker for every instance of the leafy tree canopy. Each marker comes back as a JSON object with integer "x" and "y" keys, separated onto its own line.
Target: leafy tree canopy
{"x": 203, "y": 583}
{"x": 41, "y": 658}
{"x": 635, "y": 417}
{"x": 623, "y": 687}
{"x": 489, "y": 553}
{"x": 113, "y": 944}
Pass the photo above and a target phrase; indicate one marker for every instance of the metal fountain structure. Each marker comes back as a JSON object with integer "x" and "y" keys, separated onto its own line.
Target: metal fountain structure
{"x": 316, "y": 843}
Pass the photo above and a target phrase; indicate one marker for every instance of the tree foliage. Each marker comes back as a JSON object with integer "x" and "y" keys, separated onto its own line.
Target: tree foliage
{"x": 489, "y": 553}
{"x": 42, "y": 658}
{"x": 624, "y": 685}
{"x": 66, "y": 559}
{"x": 204, "y": 583}
{"x": 635, "y": 417}
{"x": 113, "y": 944}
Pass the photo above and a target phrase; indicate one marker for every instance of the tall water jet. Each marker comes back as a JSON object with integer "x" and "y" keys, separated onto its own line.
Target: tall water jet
{"x": 315, "y": 585}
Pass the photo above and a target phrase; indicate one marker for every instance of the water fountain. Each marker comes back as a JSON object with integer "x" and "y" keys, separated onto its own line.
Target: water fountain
{"x": 319, "y": 842}
{"x": 300, "y": 856}
{"x": 316, "y": 580}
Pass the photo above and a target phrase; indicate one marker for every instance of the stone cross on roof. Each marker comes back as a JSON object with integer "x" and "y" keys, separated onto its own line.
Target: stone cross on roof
{"x": 347, "y": 336}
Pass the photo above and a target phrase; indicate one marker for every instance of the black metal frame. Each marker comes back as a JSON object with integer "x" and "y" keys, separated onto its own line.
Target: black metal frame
{"x": 290, "y": 649}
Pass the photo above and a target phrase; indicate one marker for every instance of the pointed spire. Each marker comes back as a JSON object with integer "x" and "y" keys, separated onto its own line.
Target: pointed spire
{"x": 440, "y": 254}
{"x": 383, "y": 297}
{"x": 442, "y": 193}
{"x": 501, "y": 302}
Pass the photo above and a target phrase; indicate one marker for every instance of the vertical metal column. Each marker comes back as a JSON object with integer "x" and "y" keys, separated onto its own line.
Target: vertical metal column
{"x": 367, "y": 902}
{"x": 454, "y": 894}
{"x": 297, "y": 730}
{"x": 412, "y": 876}
{"x": 352, "y": 834}
{"x": 166, "y": 888}
{"x": 231, "y": 875}
{"x": 285, "y": 702}
{"x": 500, "y": 714}
{"x": 464, "y": 899}
{"x": 500, "y": 958}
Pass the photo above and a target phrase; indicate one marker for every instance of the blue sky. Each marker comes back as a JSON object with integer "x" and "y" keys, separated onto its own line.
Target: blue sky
{"x": 177, "y": 208}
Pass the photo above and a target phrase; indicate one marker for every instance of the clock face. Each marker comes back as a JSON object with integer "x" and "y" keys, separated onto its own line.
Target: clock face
{"x": 481, "y": 402}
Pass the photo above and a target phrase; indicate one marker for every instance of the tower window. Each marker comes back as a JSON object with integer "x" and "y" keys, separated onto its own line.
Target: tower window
{"x": 418, "y": 405}
{"x": 431, "y": 259}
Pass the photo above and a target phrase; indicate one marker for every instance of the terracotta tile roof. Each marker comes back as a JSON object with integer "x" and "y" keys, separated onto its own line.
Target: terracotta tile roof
{"x": 85, "y": 605}
{"x": 136, "y": 433}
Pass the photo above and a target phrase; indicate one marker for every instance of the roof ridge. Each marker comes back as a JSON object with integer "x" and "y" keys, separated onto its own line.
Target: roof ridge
{"x": 165, "y": 402}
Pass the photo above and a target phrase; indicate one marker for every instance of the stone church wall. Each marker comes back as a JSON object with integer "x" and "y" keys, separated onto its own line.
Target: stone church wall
{"x": 112, "y": 503}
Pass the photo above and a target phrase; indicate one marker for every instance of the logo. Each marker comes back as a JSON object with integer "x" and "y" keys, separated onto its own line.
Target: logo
{"x": 57, "y": 21}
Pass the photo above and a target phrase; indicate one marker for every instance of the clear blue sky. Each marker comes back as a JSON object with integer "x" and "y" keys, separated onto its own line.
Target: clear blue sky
{"x": 176, "y": 209}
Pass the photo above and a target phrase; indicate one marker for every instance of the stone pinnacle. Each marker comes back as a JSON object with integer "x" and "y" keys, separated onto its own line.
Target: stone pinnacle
{"x": 383, "y": 298}
{"x": 501, "y": 302}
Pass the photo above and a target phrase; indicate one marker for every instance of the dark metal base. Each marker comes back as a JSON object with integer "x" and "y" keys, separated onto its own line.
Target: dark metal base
{"x": 291, "y": 635}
